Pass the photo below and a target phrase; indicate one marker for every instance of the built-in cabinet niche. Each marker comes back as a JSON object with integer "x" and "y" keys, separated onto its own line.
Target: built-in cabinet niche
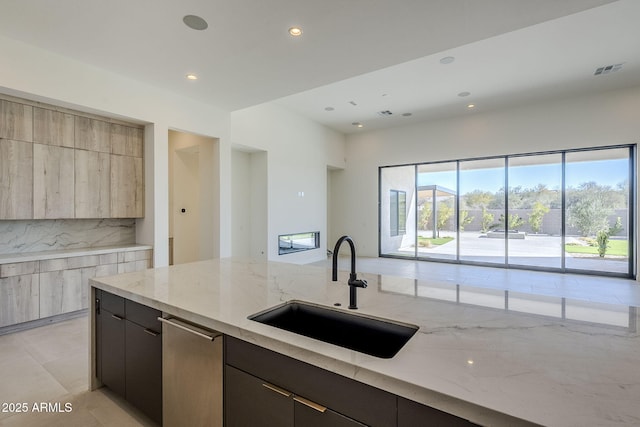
{"x": 61, "y": 164}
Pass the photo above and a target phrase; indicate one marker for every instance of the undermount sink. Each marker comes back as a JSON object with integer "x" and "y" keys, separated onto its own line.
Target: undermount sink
{"x": 374, "y": 336}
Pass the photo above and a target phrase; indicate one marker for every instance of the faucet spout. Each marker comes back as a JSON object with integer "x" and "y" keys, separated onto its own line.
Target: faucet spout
{"x": 353, "y": 282}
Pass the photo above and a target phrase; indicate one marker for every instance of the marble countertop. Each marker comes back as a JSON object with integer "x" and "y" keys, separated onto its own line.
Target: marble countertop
{"x": 68, "y": 253}
{"x": 485, "y": 355}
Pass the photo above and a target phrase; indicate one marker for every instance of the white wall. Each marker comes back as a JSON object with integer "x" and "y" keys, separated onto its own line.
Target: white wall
{"x": 605, "y": 119}
{"x": 36, "y": 74}
{"x": 298, "y": 152}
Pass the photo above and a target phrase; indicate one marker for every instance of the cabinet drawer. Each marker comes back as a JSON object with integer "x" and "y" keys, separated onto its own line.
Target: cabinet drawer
{"x": 144, "y": 316}
{"x": 354, "y": 399}
{"x": 112, "y": 303}
{"x": 411, "y": 413}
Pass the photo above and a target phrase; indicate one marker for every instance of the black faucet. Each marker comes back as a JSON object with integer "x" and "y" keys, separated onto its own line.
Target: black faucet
{"x": 354, "y": 282}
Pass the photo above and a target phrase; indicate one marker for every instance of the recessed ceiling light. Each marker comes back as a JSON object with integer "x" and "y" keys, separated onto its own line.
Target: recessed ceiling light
{"x": 358, "y": 124}
{"x": 447, "y": 60}
{"x": 465, "y": 93}
{"x": 195, "y": 22}
{"x": 295, "y": 31}
{"x": 329, "y": 108}
{"x": 471, "y": 106}
{"x": 192, "y": 76}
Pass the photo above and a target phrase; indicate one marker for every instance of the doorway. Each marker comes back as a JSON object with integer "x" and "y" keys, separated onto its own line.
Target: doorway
{"x": 193, "y": 188}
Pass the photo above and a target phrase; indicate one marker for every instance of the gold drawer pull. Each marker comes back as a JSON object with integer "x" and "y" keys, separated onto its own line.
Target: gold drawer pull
{"x": 278, "y": 390}
{"x": 310, "y": 404}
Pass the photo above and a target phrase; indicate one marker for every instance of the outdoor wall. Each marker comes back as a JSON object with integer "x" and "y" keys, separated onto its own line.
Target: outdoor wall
{"x": 40, "y": 75}
{"x": 605, "y": 119}
{"x": 298, "y": 152}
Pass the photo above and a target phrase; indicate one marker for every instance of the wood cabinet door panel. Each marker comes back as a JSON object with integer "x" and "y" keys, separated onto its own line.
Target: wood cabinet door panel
{"x": 127, "y": 191}
{"x": 92, "y": 135}
{"x": 16, "y": 179}
{"x": 249, "y": 402}
{"x": 309, "y": 417}
{"x": 143, "y": 369}
{"x": 16, "y": 121}
{"x": 111, "y": 338}
{"x": 19, "y": 299}
{"x": 92, "y": 187}
{"x": 53, "y": 182}
{"x": 126, "y": 140}
{"x": 53, "y": 127}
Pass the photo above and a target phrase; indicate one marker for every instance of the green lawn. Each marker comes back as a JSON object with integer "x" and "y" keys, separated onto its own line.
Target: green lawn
{"x": 616, "y": 247}
{"x": 428, "y": 242}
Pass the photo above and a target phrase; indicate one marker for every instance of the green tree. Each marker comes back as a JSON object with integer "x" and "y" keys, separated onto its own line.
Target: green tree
{"x": 589, "y": 205}
{"x": 515, "y": 222}
{"x": 535, "y": 217}
{"x": 424, "y": 221}
{"x": 478, "y": 198}
{"x": 445, "y": 211}
{"x": 602, "y": 237}
{"x": 464, "y": 219}
{"x": 487, "y": 220}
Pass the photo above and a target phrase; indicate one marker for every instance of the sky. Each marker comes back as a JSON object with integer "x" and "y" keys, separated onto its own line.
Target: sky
{"x": 603, "y": 172}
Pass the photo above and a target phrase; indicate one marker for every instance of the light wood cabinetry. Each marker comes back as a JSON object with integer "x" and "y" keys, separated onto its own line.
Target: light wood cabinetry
{"x": 16, "y": 179}
{"x": 127, "y": 190}
{"x": 53, "y": 182}
{"x": 92, "y": 184}
{"x": 92, "y": 135}
{"x": 55, "y": 164}
{"x": 53, "y": 127}
{"x": 126, "y": 140}
{"x": 19, "y": 300}
{"x": 32, "y": 290}
{"x": 16, "y": 121}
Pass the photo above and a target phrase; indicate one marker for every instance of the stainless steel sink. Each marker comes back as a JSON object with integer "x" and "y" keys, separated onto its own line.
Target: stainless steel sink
{"x": 374, "y": 336}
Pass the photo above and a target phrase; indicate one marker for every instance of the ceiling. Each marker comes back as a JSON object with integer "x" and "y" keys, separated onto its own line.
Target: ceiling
{"x": 380, "y": 55}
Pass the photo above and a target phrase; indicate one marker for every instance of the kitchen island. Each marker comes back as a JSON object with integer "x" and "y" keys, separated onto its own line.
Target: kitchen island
{"x": 492, "y": 366}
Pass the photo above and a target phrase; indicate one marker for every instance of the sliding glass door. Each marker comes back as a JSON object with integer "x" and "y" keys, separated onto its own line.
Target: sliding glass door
{"x": 568, "y": 210}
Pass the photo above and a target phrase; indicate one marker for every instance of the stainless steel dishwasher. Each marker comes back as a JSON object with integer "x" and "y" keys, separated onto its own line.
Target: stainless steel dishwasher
{"x": 191, "y": 374}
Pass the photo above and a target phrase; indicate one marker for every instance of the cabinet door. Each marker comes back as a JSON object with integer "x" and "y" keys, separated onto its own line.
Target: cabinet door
{"x": 111, "y": 336}
{"x": 92, "y": 175}
{"x": 62, "y": 292}
{"x": 53, "y": 182}
{"x": 126, "y": 140}
{"x": 92, "y": 135}
{"x": 310, "y": 414}
{"x": 16, "y": 121}
{"x": 19, "y": 301}
{"x": 412, "y": 414}
{"x": 16, "y": 179}
{"x": 249, "y": 401}
{"x": 126, "y": 187}
{"x": 53, "y": 127}
{"x": 143, "y": 367}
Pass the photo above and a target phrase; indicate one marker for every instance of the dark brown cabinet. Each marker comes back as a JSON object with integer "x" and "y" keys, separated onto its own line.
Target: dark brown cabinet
{"x": 412, "y": 414}
{"x": 129, "y": 351}
{"x": 298, "y": 394}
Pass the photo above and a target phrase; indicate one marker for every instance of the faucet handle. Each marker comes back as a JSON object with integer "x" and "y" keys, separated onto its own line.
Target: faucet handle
{"x": 358, "y": 283}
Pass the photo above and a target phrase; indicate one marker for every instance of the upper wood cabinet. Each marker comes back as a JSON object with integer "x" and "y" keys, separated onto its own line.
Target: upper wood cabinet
{"x": 53, "y": 182}
{"x": 92, "y": 134}
{"x": 16, "y": 121}
{"x": 53, "y": 127}
{"x": 126, "y": 140}
{"x": 92, "y": 187}
{"x": 127, "y": 189}
{"x": 16, "y": 179}
{"x": 56, "y": 164}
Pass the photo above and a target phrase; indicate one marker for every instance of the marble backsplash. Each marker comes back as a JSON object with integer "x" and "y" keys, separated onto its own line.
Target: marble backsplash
{"x": 47, "y": 235}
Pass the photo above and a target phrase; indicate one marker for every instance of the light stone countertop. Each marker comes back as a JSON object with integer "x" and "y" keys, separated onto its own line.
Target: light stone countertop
{"x": 68, "y": 253}
{"x": 484, "y": 364}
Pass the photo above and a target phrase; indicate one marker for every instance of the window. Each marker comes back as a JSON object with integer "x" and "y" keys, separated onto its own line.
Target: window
{"x": 566, "y": 210}
{"x": 398, "y": 213}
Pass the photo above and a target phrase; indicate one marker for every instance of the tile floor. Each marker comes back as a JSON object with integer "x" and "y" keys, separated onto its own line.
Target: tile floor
{"x": 49, "y": 364}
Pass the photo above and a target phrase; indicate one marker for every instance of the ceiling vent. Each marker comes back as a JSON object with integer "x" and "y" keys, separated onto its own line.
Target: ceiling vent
{"x": 385, "y": 113}
{"x": 607, "y": 69}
